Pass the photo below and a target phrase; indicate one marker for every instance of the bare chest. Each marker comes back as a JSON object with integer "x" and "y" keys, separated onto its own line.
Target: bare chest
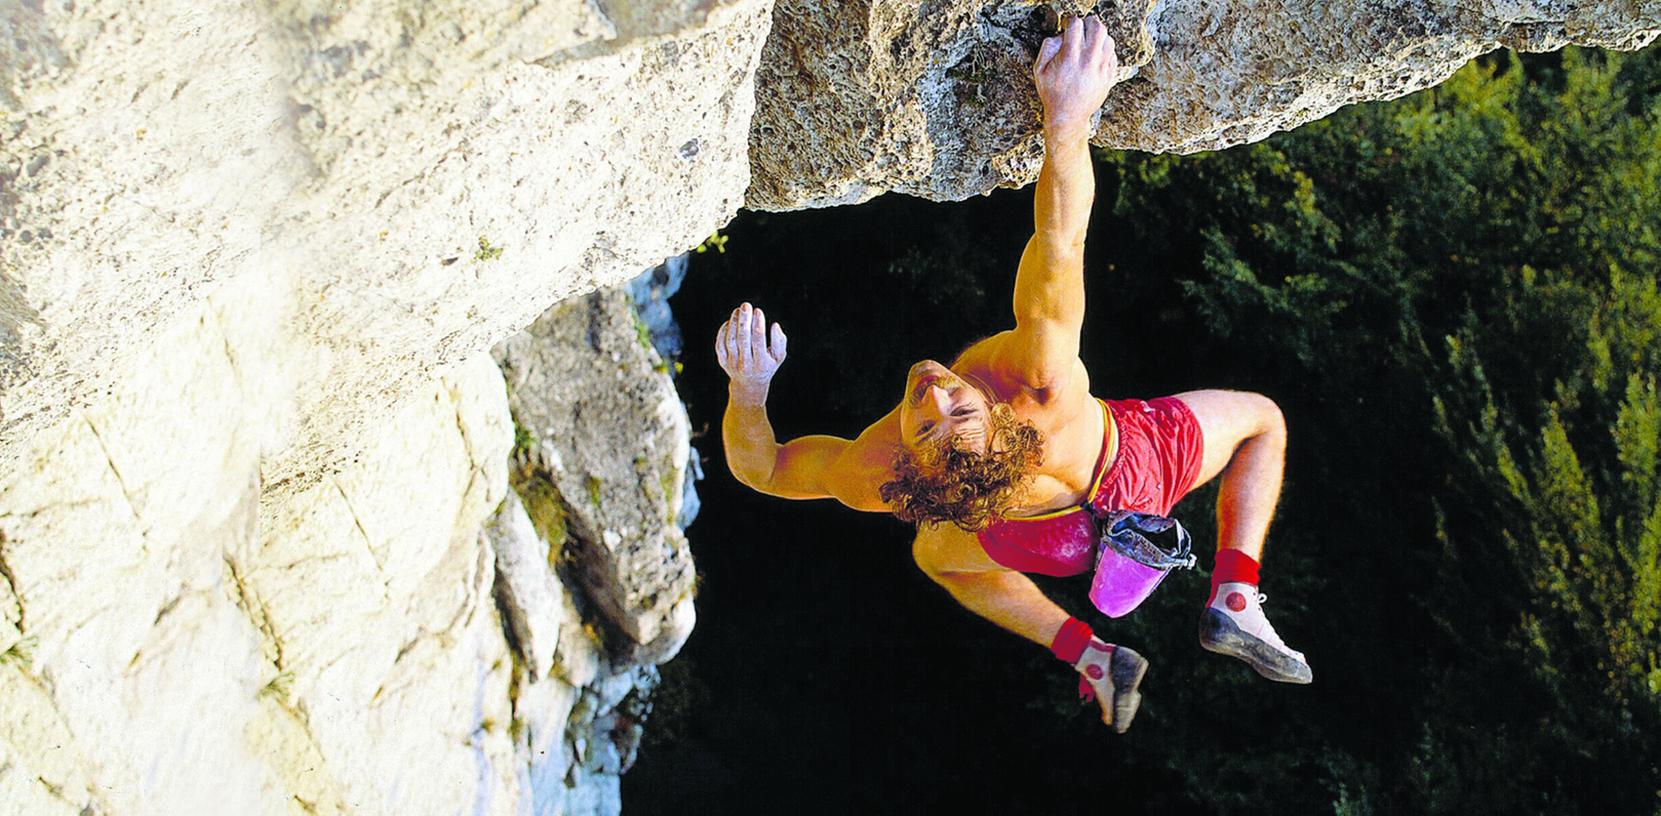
{"x": 1073, "y": 447}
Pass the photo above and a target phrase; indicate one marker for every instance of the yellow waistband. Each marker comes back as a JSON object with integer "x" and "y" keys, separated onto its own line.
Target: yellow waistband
{"x": 1111, "y": 429}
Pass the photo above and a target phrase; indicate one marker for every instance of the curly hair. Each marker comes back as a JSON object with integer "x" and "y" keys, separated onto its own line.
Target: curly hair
{"x": 966, "y": 488}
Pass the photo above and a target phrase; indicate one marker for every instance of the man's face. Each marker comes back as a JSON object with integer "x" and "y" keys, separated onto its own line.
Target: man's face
{"x": 941, "y": 410}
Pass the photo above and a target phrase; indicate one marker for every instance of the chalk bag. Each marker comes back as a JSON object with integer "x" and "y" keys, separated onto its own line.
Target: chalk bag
{"x": 1135, "y": 552}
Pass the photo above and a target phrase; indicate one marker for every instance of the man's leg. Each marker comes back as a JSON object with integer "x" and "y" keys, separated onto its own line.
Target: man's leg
{"x": 1245, "y": 444}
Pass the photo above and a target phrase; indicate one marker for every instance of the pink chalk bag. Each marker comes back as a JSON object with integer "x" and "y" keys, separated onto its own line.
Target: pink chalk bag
{"x": 1135, "y": 552}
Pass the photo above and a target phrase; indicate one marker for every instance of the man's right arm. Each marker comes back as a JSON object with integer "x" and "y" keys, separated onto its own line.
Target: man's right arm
{"x": 811, "y": 467}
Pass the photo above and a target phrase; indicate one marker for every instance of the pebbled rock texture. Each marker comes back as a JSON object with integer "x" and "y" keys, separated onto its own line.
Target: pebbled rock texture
{"x": 934, "y": 98}
{"x": 927, "y": 98}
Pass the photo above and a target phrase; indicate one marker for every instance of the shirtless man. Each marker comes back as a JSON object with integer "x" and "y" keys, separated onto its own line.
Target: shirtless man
{"x": 1006, "y": 462}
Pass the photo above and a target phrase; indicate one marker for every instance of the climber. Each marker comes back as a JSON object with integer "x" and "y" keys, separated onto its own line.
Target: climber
{"x": 1006, "y": 462}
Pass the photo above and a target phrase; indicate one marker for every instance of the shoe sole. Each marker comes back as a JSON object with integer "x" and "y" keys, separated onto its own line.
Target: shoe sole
{"x": 1220, "y": 635}
{"x": 1127, "y": 669}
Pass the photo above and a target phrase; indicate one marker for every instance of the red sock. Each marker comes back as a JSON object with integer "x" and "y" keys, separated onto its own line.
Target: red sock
{"x": 1070, "y": 640}
{"x": 1233, "y": 566}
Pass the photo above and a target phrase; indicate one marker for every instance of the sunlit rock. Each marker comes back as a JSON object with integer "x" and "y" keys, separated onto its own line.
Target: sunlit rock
{"x": 936, "y": 99}
{"x": 417, "y": 181}
{"x": 600, "y": 420}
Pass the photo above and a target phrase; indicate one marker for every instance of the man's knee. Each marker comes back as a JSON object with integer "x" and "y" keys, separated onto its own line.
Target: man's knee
{"x": 1268, "y": 420}
{"x": 1231, "y": 417}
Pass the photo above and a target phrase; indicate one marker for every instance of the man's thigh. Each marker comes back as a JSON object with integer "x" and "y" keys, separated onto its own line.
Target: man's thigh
{"x": 1226, "y": 419}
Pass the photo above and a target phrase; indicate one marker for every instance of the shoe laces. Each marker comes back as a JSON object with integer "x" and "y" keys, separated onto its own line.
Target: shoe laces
{"x": 1269, "y": 634}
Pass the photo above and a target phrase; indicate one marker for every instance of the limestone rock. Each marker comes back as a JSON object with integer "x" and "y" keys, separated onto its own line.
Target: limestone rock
{"x": 1227, "y": 72}
{"x": 581, "y": 598}
{"x": 935, "y": 99}
{"x": 372, "y": 594}
{"x": 415, "y": 182}
{"x": 113, "y": 540}
{"x": 249, "y": 257}
{"x": 931, "y": 99}
{"x": 528, "y": 594}
{"x": 600, "y": 420}
{"x": 265, "y": 654}
{"x": 337, "y": 649}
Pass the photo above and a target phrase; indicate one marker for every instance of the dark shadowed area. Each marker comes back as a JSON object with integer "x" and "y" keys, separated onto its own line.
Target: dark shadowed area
{"x": 1453, "y": 299}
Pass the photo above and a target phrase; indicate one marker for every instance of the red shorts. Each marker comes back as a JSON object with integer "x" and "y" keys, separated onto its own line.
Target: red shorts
{"x": 1160, "y": 450}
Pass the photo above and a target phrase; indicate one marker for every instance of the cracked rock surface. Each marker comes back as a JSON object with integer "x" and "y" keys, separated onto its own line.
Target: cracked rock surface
{"x": 934, "y": 99}
{"x": 185, "y": 648}
{"x": 399, "y": 637}
{"x": 271, "y": 540}
{"x": 413, "y": 182}
{"x": 602, "y": 426}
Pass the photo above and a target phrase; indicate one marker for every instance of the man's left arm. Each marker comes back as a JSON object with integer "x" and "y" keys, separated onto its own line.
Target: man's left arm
{"x": 1073, "y": 73}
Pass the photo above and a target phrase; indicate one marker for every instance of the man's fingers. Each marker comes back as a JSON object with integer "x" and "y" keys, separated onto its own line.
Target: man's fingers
{"x": 780, "y": 343}
{"x": 1073, "y": 35}
{"x": 1046, "y": 52}
{"x": 721, "y": 346}
{"x": 732, "y": 343}
{"x": 758, "y": 335}
{"x": 1092, "y": 36}
{"x": 741, "y": 331}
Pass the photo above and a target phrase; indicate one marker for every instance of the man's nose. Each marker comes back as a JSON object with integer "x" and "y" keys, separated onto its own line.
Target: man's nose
{"x": 939, "y": 399}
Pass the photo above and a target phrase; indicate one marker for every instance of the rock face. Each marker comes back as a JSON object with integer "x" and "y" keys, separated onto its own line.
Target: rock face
{"x": 173, "y": 646}
{"x": 399, "y": 637}
{"x": 414, "y": 182}
{"x": 1231, "y": 72}
{"x": 935, "y": 99}
{"x": 930, "y": 98}
{"x": 601, "y": 424}
{"x": 271, "y": 540}
{"x": 594, "y": 575}
{"x": 251, "y": 257}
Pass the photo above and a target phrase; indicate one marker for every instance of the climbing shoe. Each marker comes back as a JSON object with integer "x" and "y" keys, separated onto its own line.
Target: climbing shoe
{"x": 1233, "y": 624}
{"x": 1111, "y": 675}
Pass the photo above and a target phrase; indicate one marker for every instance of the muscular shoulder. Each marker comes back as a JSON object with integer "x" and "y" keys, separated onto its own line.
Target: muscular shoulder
{"x": 866, "y": 464}
{"x": 985, "y": 359}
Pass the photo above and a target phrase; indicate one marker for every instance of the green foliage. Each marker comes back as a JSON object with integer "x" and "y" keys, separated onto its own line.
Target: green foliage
{"x": 716, "y": 241}
{"x": 546, "y": 510}
{"x": 21, "y": 653}
{"x": 1457, "y": 294}
{"x": 280, "y": 688}
{"x": 523, "y": 443}
{"x": 594, "y": 489}
{"x": 487, "y": 252}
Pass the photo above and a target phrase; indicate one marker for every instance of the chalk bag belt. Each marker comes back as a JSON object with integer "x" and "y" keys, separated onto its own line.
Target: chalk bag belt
{"x": 1153, "y": 541}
